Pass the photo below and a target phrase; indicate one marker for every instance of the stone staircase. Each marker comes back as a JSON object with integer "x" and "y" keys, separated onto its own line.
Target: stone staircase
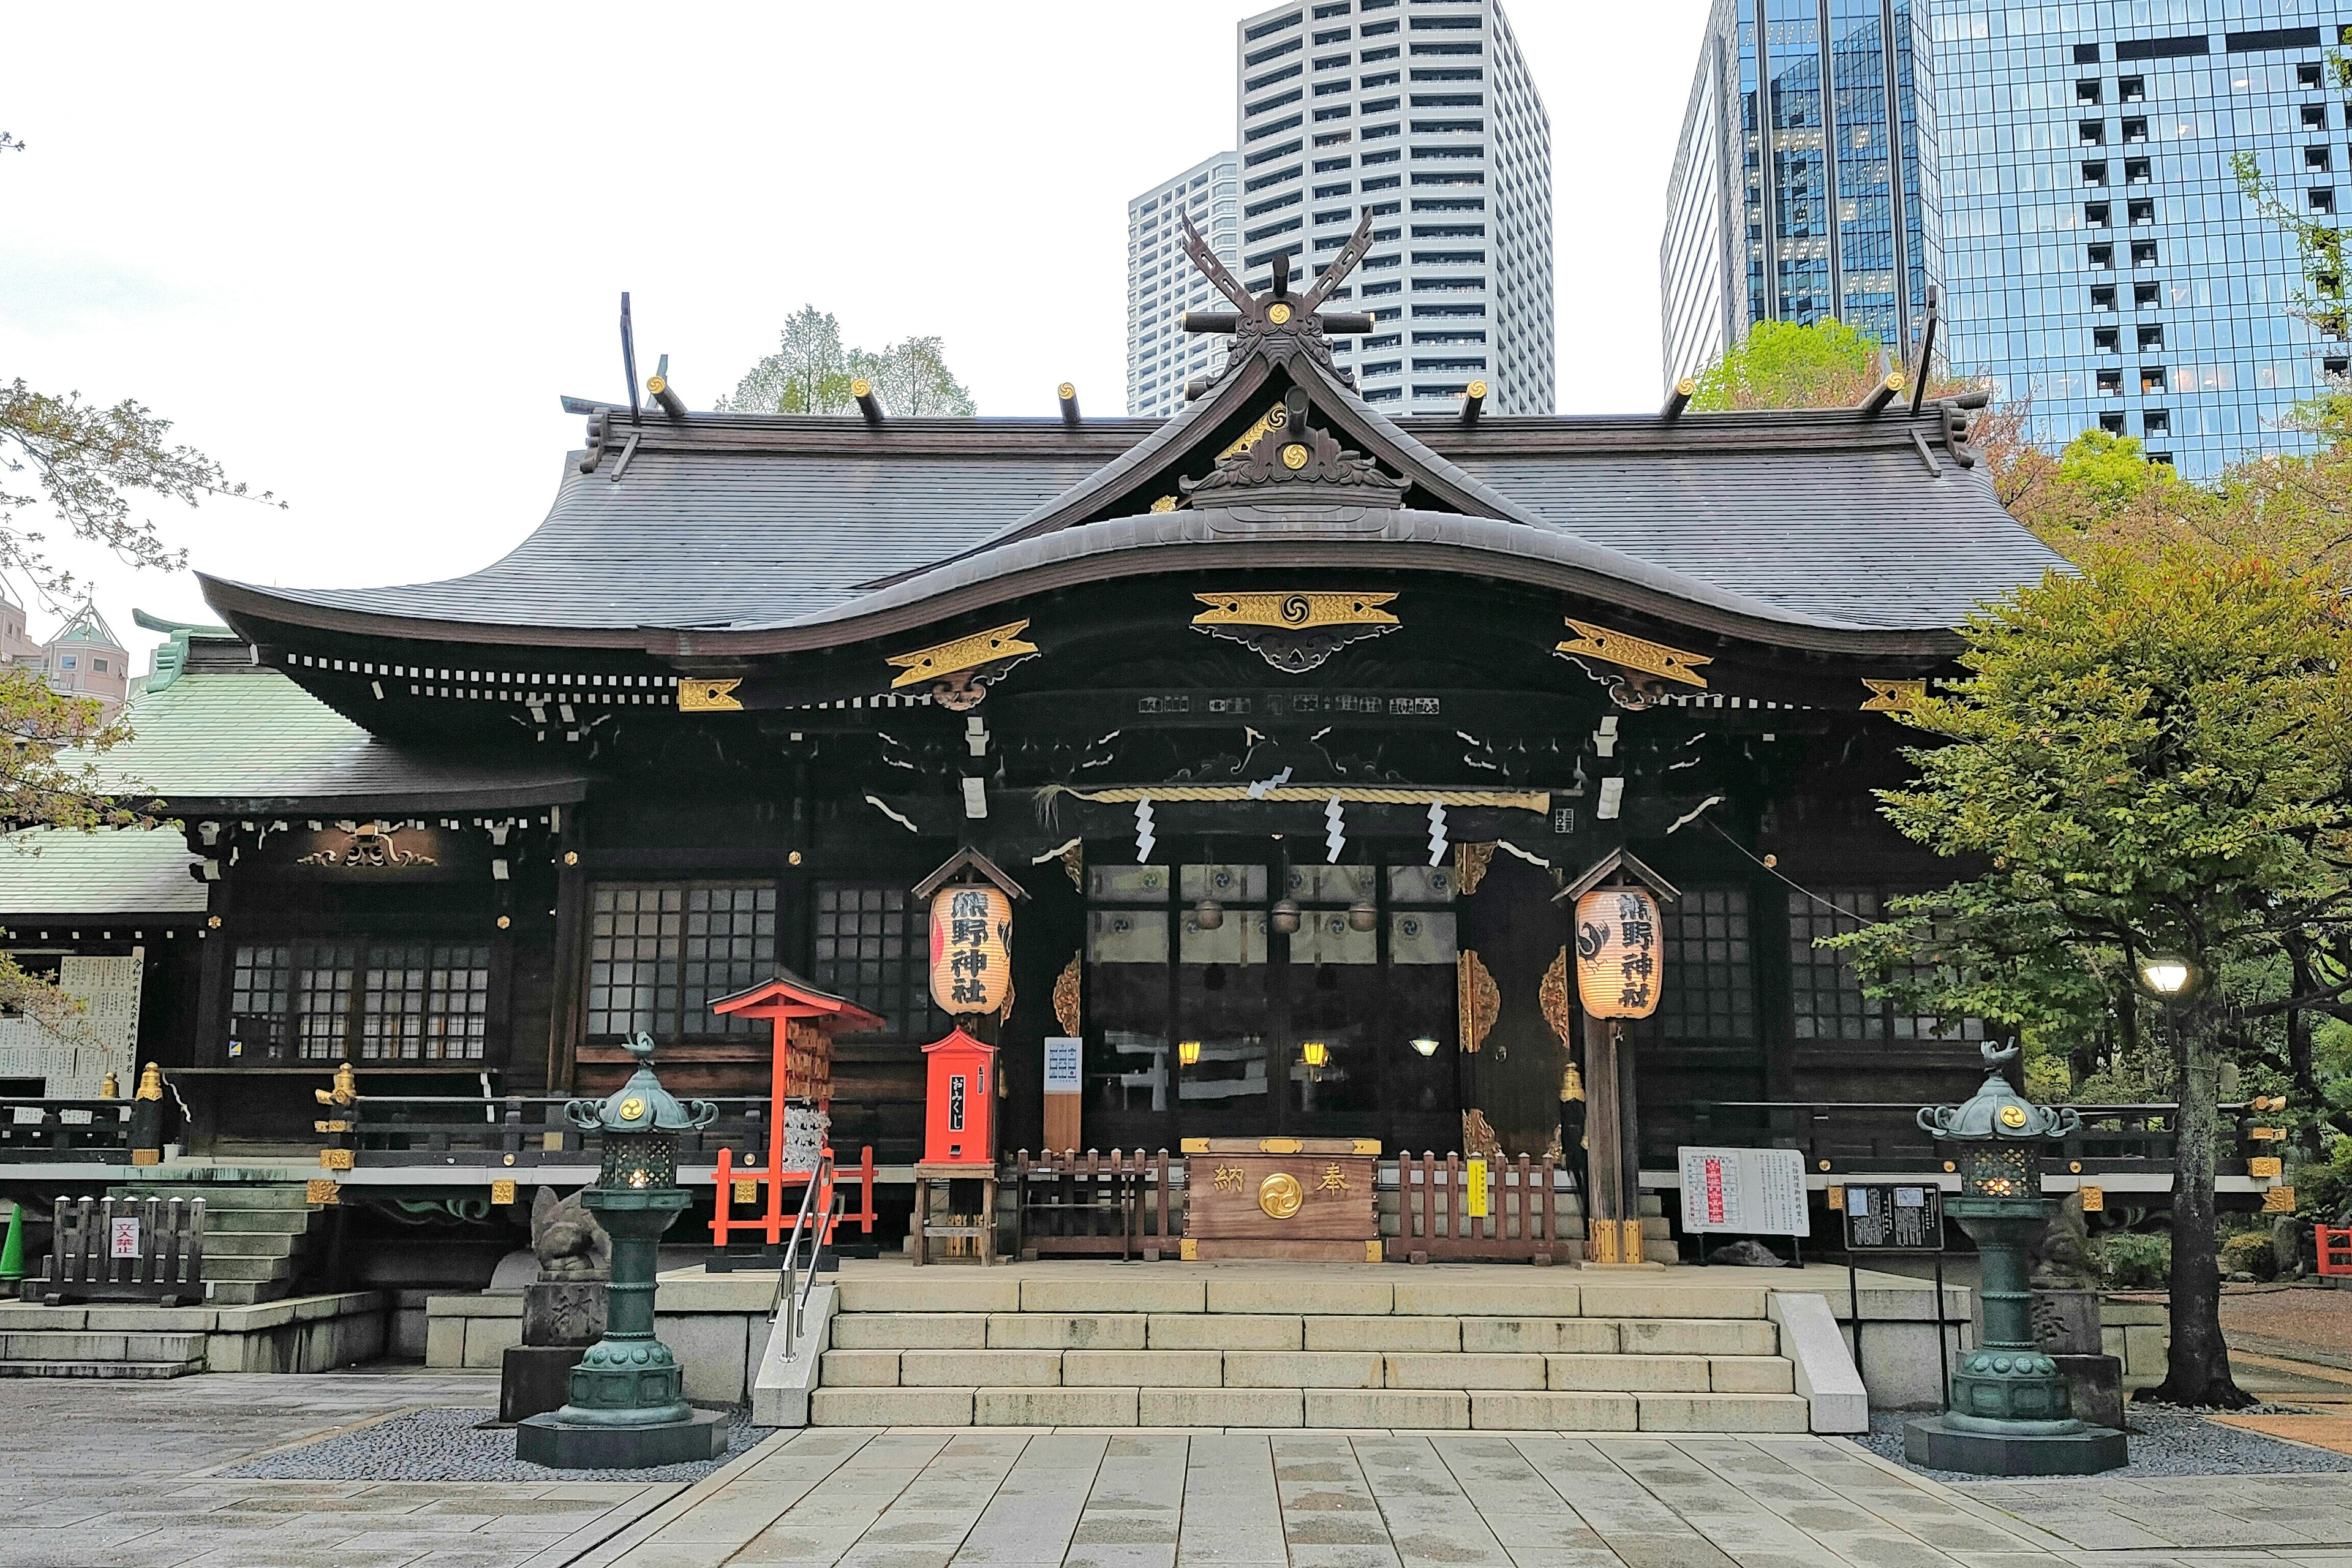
{"x": 70, "y": 1353}
{"x": 1257, "y": 1345}
{"x": 256, "y": 1235}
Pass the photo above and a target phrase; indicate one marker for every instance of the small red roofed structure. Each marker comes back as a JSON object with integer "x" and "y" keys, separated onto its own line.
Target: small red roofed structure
{"x": 960, "y": 1104}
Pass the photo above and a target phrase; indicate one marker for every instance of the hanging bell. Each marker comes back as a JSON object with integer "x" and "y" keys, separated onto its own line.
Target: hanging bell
{"x": 1208, "y": 915}
{"x": 1361, "y": 916}
{"x": 1285, "y": 916}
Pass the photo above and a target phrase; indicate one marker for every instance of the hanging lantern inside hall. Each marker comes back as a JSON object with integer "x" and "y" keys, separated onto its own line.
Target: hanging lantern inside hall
{"x": 972, "y": 948}
{"x": 1619, "y": 961}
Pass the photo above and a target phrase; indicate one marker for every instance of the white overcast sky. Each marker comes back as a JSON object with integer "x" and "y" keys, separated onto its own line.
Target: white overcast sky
{"x": 356, "y": 253}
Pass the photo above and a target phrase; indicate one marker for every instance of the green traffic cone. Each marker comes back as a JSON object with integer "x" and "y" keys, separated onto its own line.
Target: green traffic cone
{"x": 12, "y": 1251}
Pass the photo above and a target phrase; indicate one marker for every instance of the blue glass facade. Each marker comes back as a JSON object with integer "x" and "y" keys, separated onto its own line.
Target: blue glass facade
{"x": 1804, "y": 185}
{"x": 2102, "y": 263}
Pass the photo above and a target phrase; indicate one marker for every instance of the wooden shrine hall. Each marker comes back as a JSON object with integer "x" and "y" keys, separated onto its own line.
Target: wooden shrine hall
{"x": 1298, "y": 730}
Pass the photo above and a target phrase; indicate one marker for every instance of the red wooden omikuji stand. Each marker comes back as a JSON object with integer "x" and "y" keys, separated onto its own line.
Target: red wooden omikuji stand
{"x": 804, "y": 1020}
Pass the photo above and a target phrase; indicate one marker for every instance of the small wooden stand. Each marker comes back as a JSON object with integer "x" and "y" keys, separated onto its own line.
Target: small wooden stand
{"x": 984, "y": 1233}
{"x": 1305, "y": 1199}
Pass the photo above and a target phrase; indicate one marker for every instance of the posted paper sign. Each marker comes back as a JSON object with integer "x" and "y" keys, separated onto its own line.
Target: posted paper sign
{"x": 122, "y": 1239}
{"x": 1750, "y": 1192}
{"x": 1063, "y": 1062}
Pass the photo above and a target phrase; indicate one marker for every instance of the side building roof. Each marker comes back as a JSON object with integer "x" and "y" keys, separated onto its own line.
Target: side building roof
{"x": 109, "y": 871}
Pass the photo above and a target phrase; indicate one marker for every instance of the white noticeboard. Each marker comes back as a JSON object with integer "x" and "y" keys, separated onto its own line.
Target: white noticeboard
{"x": 123, "y": 1240}
{"x": 1750, "y": 1192}
{"x": 1062, "y": 1058}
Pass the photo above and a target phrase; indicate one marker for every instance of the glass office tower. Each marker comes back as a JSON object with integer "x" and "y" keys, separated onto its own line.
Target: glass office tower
{"x": 2102, "y": 260}
{"x": 1804, "y": 183}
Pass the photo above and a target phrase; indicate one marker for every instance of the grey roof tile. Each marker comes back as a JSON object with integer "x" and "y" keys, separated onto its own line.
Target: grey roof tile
{"x": 109, "y": 871}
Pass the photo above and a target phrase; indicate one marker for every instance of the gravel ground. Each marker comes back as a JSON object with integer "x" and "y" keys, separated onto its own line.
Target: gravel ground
{"x": 2302, "y": 1315}
{"x": 2164, "y": 1441}
{"x": 450, "y": 1443}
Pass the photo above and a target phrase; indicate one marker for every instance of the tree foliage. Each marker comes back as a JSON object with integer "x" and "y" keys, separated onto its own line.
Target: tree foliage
{"x": 1788, "y": 364}
{"x": 2151, "y": 756}
{"x": 812, "y": 372}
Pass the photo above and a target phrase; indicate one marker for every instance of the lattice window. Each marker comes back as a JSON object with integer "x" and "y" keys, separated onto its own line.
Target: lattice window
{"x": 874, "y": 946}
{"x": 323, "y": 1000}
{"x": 259, "y": 986}
{"x": 1825, "y": 992}
{"x": 425, "y": 1001}
{"x": 660, "y": 952}
{"x": 1710, "y": 979}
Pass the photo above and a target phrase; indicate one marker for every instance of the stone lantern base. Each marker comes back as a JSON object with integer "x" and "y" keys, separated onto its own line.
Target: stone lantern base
{"x": 545, "y": 1441}
{"x": 1939, "y": 1443}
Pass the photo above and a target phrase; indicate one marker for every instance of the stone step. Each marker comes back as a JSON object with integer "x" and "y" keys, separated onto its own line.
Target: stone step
{"x": 1457, "y": 1408}
{"x": 142, "y": 1371}
{"x": 274, "y": 1244}
{"x": 288, "y": 1197}
{"x": 231, "y": 1268}
{"x": 1417, "y": 1294}
{"x": 243, "y": 1292}
{"x": 239, "y": 1222}
{"x": 83, "y": 1345}
{"x": 1304, "y": 1331}
{"x": 1308, "y": 1369}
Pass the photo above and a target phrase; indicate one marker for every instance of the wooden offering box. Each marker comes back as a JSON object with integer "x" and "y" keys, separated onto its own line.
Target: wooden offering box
{"x": 1308, "y": 1199}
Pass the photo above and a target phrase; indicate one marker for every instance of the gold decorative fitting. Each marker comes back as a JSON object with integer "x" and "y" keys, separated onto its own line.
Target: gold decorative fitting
{"x": 1601, "y": 1241}
{"x": 793, "y": 858}
{"x": 1837, "y": 1198}
{"x": 1630, "y": 652}
{"x": 632, "y": 1108}
{"x": 1481, "y": 1000}
{"x": 1476, "y": 389}
{"x": 1067, "y": 389}
{"x": 2095, "y": 1199}
{"x": 1950, "y": 1166}
{"x": 1365, "y": 1146}
{"x": 1165, "y": 503}
{"x": 335, "y": 1159}
{"x": 150, "y": 1082}
{"x": 699, "y": 696}
{"x": 572, "y": 857}
{"x": 213, "y": 920}
{"x": 1067, "y": 996}
{"x": 502, "y": 1191}
{"x": 2265, "y": 1168}
{"x": 1571, "y": 1085}
{"x": 1372, "y": 1252}
{"x": 656, "y": 385}
{"x": 2279, "y": 1200}
{"x": 961, "y": 671}
{"x": 1274, "y": 418}
{"x": 323, "y": 1190}
{"x": 1193, "y": 1146}
{"x": 1824, "y": 1164}
{"x": 745, "y": 1191}
{"x": 1187, "y": 1250}
{"x": 1294, "y": 612}
{"x": 109, "y": 1088}
{"x": 1478, "y": 1139}
{"x": 370, "y": 848}
{"x": 1552, "y": 996}
{"x": 2013, "y": 1116}
{"x": 1894, "y": 696}
{"x": 1277, "y": 312}
{"x": 861, "y": 387}
{"x": 1280, "y": 1194}
{"x": 1294, "y": 457}
{"x": 1470, "y": 863}
{"x": 1279, "y": 1145}
{"x": 504, "y": 921}
{"x": 1073, "y": 865}
{"x": 345, "y": 1091}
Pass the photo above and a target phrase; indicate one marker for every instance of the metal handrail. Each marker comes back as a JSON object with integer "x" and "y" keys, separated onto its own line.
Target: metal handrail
{"x": 821, "y": 1177}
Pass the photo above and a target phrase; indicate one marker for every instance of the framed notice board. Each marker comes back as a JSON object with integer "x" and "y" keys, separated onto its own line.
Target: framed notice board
{"x": 1893, "y": 1217}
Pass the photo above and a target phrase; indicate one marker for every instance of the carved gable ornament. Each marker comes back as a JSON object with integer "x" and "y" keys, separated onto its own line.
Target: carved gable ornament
{"x": 1289, "y": 463}
{"x": 1295, "y": 632}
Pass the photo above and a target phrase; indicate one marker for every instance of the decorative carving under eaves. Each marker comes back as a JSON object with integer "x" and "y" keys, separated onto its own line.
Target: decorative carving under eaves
{"x": 1478, "y": 1139}
{"x": 1481, "y": 1003}
{"x": 1650, "y": 663}
{"x": 1004, "y": 1014}
{"x": 1470, "y": 863}
{"x": 1295, "y": 632}
{"x": 1893, "y": 696}
{"x": 697, "y": 695}
{"x": 371, "y": 848}
{"x": 1553, "y": 997}
{"x": 959, "y": 673}
{"x": 1307, "y": 467}
{"x": 1067, "y": 1003}
{"x": 1274, "y": 418}
{"x": 1073, "y": 863}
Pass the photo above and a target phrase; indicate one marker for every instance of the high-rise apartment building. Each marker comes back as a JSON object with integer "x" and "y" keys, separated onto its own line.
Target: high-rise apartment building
{"x": 1162, "y": 285}
{"x": 1791, "y": 203}
{"x": 1423, "y": 112}
{"x": 2103, "y": 262}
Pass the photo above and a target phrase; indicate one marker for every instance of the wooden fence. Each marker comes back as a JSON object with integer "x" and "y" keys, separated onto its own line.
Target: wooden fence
{"x": 127, "y": 1249}
{"x": 1439, "y": 1216}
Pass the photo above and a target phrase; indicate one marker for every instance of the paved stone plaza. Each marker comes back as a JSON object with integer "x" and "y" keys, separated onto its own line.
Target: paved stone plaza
{"x": 101, "y": 1475}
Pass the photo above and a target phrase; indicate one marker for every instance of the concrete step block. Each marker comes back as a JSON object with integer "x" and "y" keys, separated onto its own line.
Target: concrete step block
{"x": 1459, "y": 1371}
{"x": 1723, "y": 1412}
{"x": 1630, "y": 1299}
{"x": 940, "y": 1289}
{"x": 1751, "y": 1374}
{"x": 270, "y": 1244}
{"x": 909, "y": 1331}
{"x": 1538, "y": 1296}
{"x": 239, "y": 1222}
{"x": 1302, "y": 1294}
{"x": 1139, "y": 1292}
{"x": 247, "y": 1269}
{"x": 1542, "y": 1336}
{"x": 1698, "y": 1336}
{"x": 1221, "y": 1407}
{"x": 1514, "y": 1410}
{"x": 1627, "y": 1374}
{"x": 110, "y": 1371}
{"x": 243, "y": 1292}
{"x": 1053, "y": 1407}
{"x": 1416, "y": 1409}
{"x": 1383, "y": 1333}
{"x": 860, "y": 1369}
{"x": 1066, "y": 1331}
{"x": 890, "y": 1406}
{"x": 286, "y": 1199}
{"x": 1223, "y": 1332}
{"x": 1304, "y": 1369}
{"x": 1155, "y": 1369}
{"x": 954, "y": 1369}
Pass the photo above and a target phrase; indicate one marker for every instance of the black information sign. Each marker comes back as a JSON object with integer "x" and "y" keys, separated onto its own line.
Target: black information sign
{"x": 955, "y": 1103}
{"x": 1893, "y": 1218}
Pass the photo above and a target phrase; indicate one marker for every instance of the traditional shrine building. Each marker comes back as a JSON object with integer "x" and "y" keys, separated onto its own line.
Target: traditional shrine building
{"x": 1292, "y": 721}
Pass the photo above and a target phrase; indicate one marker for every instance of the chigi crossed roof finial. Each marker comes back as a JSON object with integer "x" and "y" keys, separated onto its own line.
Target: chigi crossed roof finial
{"x": 1278, "y": 321}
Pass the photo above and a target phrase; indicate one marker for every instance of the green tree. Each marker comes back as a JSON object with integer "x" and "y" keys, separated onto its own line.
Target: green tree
{"x": 2149, "y": 757}
{"x": 812, "y": 372}
{"x": 1785, "y": 364}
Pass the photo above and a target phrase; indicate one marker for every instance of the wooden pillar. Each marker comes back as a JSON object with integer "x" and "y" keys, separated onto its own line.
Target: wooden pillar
{"x": 1604, "y": 1204}
{"x": 566, "y": 1018}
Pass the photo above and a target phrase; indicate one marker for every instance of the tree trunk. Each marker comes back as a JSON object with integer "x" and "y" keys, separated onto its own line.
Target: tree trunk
{"x": 2197, "y": 1366}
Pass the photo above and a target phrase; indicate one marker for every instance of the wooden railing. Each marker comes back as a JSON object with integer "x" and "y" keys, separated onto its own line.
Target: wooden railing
{"x": 1094, "y": 1205}
{"x": 1861, "y": 1136}
{"x": 1441, "y": 1215}
{"x": 95, "y": 1130}
{"x": 519, "y": 1130}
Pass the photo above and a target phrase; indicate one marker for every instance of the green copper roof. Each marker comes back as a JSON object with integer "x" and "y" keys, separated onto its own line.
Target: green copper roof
{"x": 115, "y": 872}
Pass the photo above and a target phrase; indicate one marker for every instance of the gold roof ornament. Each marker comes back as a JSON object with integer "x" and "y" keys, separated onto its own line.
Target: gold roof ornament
{"x": 1470, "y": 863}
{"x": 697, "y": 695}
{"x": 150, "y": 1082}
{"x": 960, "y": 672}
{"x": 1894, "y": 696}
{"x": 1274, "y": 418}
{"x": 1295, "y": 632}
{"x": 1640, "y": 654}
{"x": 1067, "y": 1008}
{"x": 1481, "y": 1000}
{"x": 1552, "y": 995}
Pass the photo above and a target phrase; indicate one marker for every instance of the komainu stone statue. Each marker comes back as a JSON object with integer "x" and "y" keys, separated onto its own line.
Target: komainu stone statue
{"x": 565, "y": 1306}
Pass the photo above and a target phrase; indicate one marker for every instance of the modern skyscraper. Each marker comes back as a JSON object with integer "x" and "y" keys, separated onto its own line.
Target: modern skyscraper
{"x": 1423, "y": 111}
{"x": 2103, "y": 262}
{"x": 1790, "y": 204}
{"x": 1162, "y": 285}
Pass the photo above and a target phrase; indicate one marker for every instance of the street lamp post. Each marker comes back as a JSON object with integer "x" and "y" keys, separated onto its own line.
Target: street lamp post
{"x": 2009, "y": 1409}
{"x": 628, "y": 1407}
